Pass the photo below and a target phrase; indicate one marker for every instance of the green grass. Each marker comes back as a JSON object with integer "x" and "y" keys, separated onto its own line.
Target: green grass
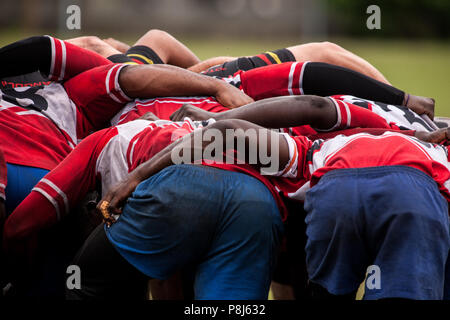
{"x": 421, "y": 68}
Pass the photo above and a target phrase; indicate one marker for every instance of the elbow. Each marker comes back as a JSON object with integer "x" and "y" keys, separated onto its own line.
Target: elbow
{"x": 321, "y": 103}
{"x": 133, "y": 81}
{"x": 320, "y": 113}
{"x": 316, "y": 103}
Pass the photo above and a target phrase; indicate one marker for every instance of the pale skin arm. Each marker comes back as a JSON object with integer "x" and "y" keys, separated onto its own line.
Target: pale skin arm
{"x": 94, "y": 44}
{"x": 332, "y": 53}
{"x": 174, "y": 52}
{"x": 118, "y": 45}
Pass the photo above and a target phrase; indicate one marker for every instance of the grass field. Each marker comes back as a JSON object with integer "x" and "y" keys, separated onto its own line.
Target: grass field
{"x": 419, "y": 67}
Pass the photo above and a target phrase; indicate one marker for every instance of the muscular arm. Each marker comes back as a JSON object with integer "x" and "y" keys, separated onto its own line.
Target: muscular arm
{"x": 278, "y": 112}
{"x": 260, "y": 144}
{"x": 147, "y": 81}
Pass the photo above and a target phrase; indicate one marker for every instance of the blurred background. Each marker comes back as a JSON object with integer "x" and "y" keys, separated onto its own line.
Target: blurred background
{"x": 412, "y": 47}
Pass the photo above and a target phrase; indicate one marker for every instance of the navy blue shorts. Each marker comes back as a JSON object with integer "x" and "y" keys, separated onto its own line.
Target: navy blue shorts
{"x": 225, "y": 223}
{"x": 392, "y": 218}
{"x": 21, "y": 179}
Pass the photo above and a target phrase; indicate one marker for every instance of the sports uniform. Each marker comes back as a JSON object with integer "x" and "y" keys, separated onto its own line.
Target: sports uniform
{"x": 137, "y": 55}
{"x": 109, "y": 155}
{"x": 375, "y": 200}
{"x": 3, "y": 180}
{"x": 292, "y": 79}
{"x": 247, "y": 63}
{"x": 40, "y": 125}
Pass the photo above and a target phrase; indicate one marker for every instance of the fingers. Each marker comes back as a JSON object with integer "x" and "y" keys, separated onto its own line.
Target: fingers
{"x": 441, "y": 136}
{"x": 103, "y": 208}
{"x": 112, "y": 203}
{"x": 181, "y": 113}
{"x": 190, "y": 111}
{"x": 149, "y": 116}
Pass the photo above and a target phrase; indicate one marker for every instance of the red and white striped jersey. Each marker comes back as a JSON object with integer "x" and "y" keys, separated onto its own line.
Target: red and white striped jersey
{"x": 41, "y": 125}
{"x": 395, "y": 116}
{"x": 282, "y": 80}
{"x": 106, "y": 156}
{"x": 265, "y": 82}
{"x": 353, "y": 112}
{"x": 163, "y": 107}
{"x": 360, "y": 151}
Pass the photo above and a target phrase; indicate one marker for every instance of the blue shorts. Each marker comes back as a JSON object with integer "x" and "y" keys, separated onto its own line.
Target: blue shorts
{"x": 21, "y": 179}
{"x": 390, "y": 217}
{"x": 225, "y": 223}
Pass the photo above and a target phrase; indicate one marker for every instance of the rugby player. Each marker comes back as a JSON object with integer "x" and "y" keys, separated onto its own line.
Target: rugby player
{"x": 170, "y": 50}
{"x": 110, "y": 154}
{"x": 367, "y": 197}
{"x": 394, "y": 105}
{"x": 42, "y": 124}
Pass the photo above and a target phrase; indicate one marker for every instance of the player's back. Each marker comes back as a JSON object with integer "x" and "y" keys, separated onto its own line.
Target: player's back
{"x": 37, "y": 125}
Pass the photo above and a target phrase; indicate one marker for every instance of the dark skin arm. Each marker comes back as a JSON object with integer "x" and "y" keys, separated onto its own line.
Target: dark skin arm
{"x": 319, "y": 116}
{"x": 116, "y": 197}
{"x": 278, "y": 112}
{"x": 148, "y": 81}
{"x": 291, "y": 111}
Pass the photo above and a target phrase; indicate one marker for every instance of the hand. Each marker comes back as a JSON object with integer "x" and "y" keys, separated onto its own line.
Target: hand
{"x": 231, "y": 97}
{"x": 441, "y": 136}
{"x": 150, "y": 116}
{"x": 188, "y": 110}
{"x": 421, "y": 105}
{"x": 113, "y": 202}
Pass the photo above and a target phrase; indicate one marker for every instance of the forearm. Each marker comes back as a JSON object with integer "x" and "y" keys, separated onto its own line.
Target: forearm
{"x": 283, "y": 112}
{"x": 146, "y": 81}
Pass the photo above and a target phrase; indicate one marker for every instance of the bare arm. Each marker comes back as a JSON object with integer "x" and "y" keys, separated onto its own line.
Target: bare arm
{"x": 118, "y": 45}
{"x": 95, "y": 44}
{"x": 292, "y": 111}
{"x": 278, "y": 112}
{"x": 147, "y": 81}
{"x": 113, "y": 201}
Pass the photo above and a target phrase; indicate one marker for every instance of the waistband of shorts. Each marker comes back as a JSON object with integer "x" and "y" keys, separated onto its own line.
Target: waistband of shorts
{"x": 378, "y": 171}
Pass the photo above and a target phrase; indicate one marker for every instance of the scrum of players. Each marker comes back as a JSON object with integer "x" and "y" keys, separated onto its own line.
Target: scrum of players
{"x": 88, "y": 178}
